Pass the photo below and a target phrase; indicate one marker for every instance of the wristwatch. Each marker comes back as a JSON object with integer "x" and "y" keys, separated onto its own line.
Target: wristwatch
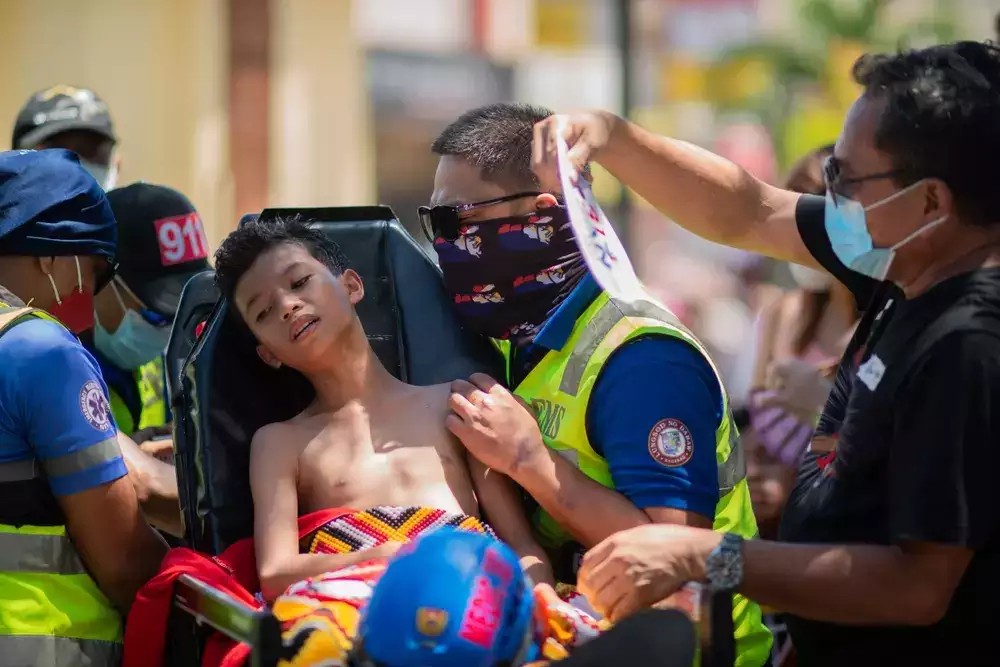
{"x": 724, "y": 566}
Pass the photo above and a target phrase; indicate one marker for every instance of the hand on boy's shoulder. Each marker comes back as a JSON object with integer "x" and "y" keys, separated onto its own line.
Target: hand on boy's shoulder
{"x": 431, "y": 402}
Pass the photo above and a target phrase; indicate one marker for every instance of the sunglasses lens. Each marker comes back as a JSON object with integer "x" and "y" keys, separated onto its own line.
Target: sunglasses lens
{"x": 424, "y": 214}
{"x": 439, "y": 222}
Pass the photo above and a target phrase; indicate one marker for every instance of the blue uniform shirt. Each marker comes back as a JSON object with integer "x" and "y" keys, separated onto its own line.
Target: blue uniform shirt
{"x": 652, "y": 415}
{"x": 54, "y": 407}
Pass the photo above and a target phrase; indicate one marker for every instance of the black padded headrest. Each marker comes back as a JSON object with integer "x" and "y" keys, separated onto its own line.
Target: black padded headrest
{"x": 229, "y": 393}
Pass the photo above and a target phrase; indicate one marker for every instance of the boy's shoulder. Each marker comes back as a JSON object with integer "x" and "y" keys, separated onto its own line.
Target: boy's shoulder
{"x": 288, "y": 436}
{"x": 432, "y": 398}
{"x": 436, "y": 390}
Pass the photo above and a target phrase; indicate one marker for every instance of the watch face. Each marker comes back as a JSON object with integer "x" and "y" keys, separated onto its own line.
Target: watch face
{"x": 725, "y": 564}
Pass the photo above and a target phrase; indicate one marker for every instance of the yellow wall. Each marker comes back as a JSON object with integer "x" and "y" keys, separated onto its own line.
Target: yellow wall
{"x": 321, "y": 135}
{"x": 161, "y": 67}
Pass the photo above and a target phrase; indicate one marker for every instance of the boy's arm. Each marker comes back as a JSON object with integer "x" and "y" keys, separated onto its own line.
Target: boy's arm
{"x": 499, "y": 500}
{"x": 273, "y": 475}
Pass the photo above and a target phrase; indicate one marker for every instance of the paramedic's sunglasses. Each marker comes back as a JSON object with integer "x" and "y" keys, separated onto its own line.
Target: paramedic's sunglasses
{"x": 839, "y": 186}
{"x": 443, "y": 222}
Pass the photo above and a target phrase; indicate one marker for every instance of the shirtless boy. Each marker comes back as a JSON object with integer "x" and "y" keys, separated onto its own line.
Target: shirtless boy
{"x": 367, "y": 439}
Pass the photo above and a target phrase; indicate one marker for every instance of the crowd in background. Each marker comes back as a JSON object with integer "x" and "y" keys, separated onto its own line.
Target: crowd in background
{"x": 776, "y": 330}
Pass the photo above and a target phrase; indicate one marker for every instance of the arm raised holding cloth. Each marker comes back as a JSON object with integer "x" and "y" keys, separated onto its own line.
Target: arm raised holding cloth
{"x": 894, "y": 525}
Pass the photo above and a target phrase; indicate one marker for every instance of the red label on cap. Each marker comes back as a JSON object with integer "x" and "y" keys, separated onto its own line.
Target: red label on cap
{"x": 486, "y": 603}
{"x": 181, "y": 238}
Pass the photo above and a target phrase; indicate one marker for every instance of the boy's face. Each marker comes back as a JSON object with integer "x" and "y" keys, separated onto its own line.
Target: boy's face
{"x": 295, "y": 306}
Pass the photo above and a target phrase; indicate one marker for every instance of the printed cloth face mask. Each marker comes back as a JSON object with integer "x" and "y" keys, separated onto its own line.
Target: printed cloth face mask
{"x": 507, "y": 275}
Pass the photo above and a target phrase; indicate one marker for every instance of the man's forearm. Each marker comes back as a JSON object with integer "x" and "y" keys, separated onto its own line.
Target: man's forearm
{"x": 535, "y": 563}
{"x": 155, "y": 485}
{"x": 699, "y": 190}
{"x": 857, "y": 584}
{"x": 145, "y": 556}
{"x": 589, "y": 511}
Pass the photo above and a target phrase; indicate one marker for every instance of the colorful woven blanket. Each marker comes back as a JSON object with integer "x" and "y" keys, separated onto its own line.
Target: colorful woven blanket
{"x": 319, "y": 616}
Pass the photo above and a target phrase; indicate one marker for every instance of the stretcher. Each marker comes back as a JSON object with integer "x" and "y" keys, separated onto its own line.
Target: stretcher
{"x": 220, "y": 396}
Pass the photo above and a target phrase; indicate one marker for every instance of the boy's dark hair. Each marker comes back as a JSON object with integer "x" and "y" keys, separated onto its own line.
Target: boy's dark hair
{"x": 496, "y": 138}
{"x": 242, "y": 247}
{"x": 942, "y": 106}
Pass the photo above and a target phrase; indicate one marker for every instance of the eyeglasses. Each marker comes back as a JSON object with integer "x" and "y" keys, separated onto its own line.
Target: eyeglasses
{"x": 444, "y": 222}
{"x": 835, "y": 182}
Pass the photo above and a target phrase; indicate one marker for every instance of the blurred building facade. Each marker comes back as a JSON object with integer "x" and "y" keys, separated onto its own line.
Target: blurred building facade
{"x": 243, "y": 104}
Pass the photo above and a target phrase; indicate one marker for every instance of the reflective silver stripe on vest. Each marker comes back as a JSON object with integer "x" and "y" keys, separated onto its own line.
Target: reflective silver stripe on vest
{"x": 18, "y": 471}
{"x": 599, "y": 327}
{"x": 31, "y": 552}
{"x": 83, "y": 459}
{"x": 734, "y": 468}
{"x": 49, "y": 651}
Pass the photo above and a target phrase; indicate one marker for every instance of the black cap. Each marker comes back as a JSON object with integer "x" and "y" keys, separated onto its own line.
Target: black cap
{"x": 59, "y": 109}
{"x": 161, "y": 243}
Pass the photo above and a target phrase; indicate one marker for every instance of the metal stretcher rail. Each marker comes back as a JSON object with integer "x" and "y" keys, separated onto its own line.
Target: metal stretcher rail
{"x": 257, "y": 628}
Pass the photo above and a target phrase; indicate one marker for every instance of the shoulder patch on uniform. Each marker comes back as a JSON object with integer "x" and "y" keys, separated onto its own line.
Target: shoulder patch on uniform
{"x": 670, "y": 443}
{"x": 94, "y": 406}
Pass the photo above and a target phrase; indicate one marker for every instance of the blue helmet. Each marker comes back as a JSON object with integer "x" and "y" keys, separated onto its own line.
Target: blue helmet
{"x": 452, "y": 598}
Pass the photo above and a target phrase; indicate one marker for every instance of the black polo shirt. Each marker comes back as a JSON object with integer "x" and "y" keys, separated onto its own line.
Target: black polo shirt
{"x": 913, "y": 423}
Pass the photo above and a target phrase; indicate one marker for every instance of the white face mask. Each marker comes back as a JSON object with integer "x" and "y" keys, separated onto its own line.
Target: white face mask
{"x": 105, "y": 175}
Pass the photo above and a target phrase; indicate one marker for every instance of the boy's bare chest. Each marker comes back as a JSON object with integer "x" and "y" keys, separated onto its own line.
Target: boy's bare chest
{"x": 360, "y": 464}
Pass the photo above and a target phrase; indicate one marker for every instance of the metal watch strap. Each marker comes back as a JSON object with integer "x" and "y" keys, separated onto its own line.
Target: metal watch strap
{"x": 724, "y": 566}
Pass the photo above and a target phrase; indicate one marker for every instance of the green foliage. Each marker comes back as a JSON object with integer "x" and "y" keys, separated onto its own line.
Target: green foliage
{"x": 800, "y": 61}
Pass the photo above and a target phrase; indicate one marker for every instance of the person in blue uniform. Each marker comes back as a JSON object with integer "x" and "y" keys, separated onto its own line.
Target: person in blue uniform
{"x": 509, "y": 227}
{"x": 615, "y": 417}
{"x": 77, "y": 547}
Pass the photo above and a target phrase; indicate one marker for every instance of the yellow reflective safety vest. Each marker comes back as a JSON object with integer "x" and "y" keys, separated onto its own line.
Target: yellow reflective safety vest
{"x": 52, "y": 613}
{"x": 149, "y": 379}
{"x": 558, "y": 389}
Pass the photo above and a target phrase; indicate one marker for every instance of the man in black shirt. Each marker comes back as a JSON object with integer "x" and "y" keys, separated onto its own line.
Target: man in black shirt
{"x": 891, "y": 539}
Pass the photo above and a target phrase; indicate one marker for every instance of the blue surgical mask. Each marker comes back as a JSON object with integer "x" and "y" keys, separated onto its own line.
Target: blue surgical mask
{"x": 847, "y": 228}
{"x": 135, "y": 341}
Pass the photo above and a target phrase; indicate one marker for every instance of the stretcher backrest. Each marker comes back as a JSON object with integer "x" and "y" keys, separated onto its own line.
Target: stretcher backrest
{"x": 197, "y": 301}
{"x": 226, "y": 393}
